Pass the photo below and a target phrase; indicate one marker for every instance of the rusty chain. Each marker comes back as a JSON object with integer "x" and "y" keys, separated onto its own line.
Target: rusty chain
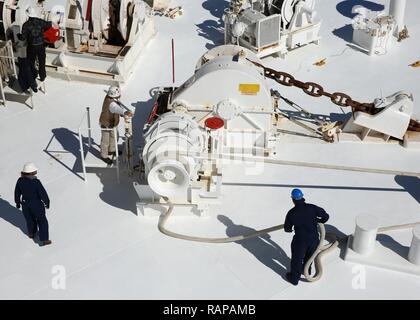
{"x": 316, "y": 90}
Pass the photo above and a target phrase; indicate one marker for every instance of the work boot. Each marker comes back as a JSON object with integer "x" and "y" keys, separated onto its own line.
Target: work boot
{"x": 46, "y": 242}
{"x": 106, "y": 160}
{"x": 32, "y": 235}
{"x": 289, "y": 278}
{"x": 114, "y": 153}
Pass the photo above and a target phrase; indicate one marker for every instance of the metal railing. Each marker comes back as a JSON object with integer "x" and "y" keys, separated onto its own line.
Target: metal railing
{"x": 8, "y": 69}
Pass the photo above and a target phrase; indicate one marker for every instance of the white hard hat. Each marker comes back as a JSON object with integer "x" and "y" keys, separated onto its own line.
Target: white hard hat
{"x": 32, "y": 12}
{"x": 29, "y": 168}
{"x": 55, "y": 17}
{"x": 114, "y": 92}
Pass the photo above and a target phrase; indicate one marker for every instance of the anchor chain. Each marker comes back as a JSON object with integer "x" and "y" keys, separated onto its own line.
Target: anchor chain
{"x": 316, "y": 90}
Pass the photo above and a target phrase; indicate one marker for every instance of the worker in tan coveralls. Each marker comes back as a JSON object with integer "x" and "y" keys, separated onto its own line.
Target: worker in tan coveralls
{"x": 112, "y": 110}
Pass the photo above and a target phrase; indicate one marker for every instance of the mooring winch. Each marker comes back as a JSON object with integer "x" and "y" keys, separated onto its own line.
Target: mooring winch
{"x": 273, "y": 26}
{"x": 97, "y": 40}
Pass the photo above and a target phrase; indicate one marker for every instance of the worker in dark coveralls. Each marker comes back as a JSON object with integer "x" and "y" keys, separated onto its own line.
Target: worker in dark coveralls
{"x": 303, "y": 219}
{"x": 31, "y": 195}
{"x": 115, "y": 36}
{"x": 33, "y": 32}
{"x": 25, "y": 77}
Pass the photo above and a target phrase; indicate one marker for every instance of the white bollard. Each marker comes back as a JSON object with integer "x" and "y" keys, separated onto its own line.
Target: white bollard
{"x": 397, "y": 10}
{"x": 414, "y": 253}
{"x": 364, "y": 238}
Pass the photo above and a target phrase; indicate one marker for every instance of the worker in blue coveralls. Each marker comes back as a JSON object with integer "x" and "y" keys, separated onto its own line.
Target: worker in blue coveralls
{"x": 31, "y": 195}
{"x": 304, "y": 219}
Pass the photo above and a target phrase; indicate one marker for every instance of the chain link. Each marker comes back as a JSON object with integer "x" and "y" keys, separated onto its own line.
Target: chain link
{"x": 283, "y": 78}
{"x": 313, "y": 89}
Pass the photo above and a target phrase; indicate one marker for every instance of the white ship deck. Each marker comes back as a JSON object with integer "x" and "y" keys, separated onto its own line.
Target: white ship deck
{"x": 110, "y": 253}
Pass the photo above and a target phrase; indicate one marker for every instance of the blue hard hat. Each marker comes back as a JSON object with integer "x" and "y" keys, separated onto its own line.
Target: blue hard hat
{"x": 297, "y": 194}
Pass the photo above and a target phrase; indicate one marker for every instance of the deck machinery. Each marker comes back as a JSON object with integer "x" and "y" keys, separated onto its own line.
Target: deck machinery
{"x": 375, "y": 32}
{"x": 227, "y": 112}
{"x": 269, "y": 27}
{"x": 97, "y": 40}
